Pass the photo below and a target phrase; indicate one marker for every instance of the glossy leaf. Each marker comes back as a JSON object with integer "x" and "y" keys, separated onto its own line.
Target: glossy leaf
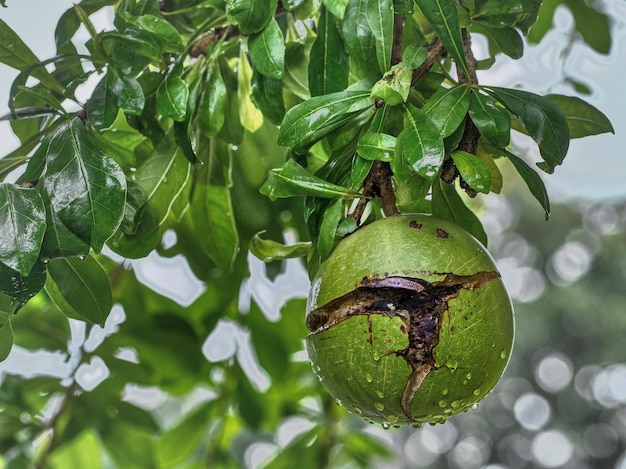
{"x": 86, "y": 188}
{"x": 250, "y": 117}
{"x": 394, "y": 87}
{"x": 520, "y": 14}
{"x": 267, "y": 96}
{"x": 443, "y": 17}
{"x": 448, "y": 107}
{"x": 328, "y": 67}
{"x": 102, "y": 109}
{"x": 358, "y": 37}
{"x": 82, "y": 451}
{"x": 172, "y": 96}
{"x": 292, "y": 179}
{"x": 251, "y": 16}
{"x": 474, "y": 171}
{"x": 507, "y": 40}
{"x": 492, "y": 121}
{"x": 414, "y": 56}
{"x": 19, "y": 287}
{"x": 420, "y": 143}
{"x": 127, "y": 93}
{"x": 543, "y": 119}
{"x": 268, "y": 250}
{"x": 80, "y": 289}
{"x": 317, "y": 117}
{"x": 211, "y": 208}
{"x": 168, "y": 37}
{"x": 583, "y": 119}
{"x": 23, "y": 222}
{"x": 58, "y": 240}
{"x": 211, "y": 108}
{"x": 138, "y": 41}
{"x": 360, "y": 169}
{"x": 533, "y": 181}
{"x": 380, "y": 20}
{"x": 267, "y": 51}
{"x": 328, "y": 228}
{"x": 376, "y": 146}
{"x": 447, "y": 204}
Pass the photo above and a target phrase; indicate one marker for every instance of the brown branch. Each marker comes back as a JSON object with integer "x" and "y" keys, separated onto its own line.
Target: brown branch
{"x": 398, "y": 30}
{"x": 378, "y": 183}
{"x": 211, "y": 38}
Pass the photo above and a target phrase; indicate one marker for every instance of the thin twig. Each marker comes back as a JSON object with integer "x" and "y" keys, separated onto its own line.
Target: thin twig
{"x": 436, "y": 51}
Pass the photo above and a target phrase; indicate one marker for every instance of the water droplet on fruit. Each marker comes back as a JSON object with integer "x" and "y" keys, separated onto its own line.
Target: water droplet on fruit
{"x": 468, "y": 376}
{"x": 455, "y": 404}
{"x": 376, "y": 356}
{"x": 386, "y": 425}
{"x": 447, "y": 411}
{"x": 477, "y": 392}
{"x": 503, "y": 354}
{"x": 444, "y": 392}
{"x": 443, "y": 404}
{"x": 416, "y": 425}
{"x": 452, "y": 364}
{"x": 338, "y": 402}
{"x": 380, "y": 394}
{"x": 493, "y": 345}
{"x": 465, "y": 381}
{"x": 392, "y": 418}
{"x": 475, "y": 406}
{"x": 379, "y": 406}
{"x": 369, "y": 378}
{"x": 357, "y": 410}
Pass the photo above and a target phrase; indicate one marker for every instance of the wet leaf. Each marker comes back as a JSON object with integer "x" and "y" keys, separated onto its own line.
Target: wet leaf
{"x": 542, "y": 118}
{"x": 420, "y": 143}
{"x": 86, "y": 188}
{"x": 583, "y": 119}
{"x": 414, "y": 56}
{"x": 250, "y": 117}
{"x": 80, "y": 289}
{"x": 6, "y": 334}
{"x": 267, "y": 96}
{"x": 380, "y": 20}
{"x": 126, "y": 92}
{"x": 165, "y": 33}
{"x": 267, "y": 51}
{"x": 172, "y": 96}
{"x": 212, "y": 105}
{"x": 358, "y": 37}
{"x": 268, "y": 250}
{"x": 317, "y": 117}
{"x": 292, "y": 179}
{"x": 328, "y": 228}
{"x": 251, "y": 16}
{"x": 102, "y": 109}
{"x": 58, "y": 240}
{"x": 493, "y": 122}
{"x": 474, "y": 171}
{"x": 533, "y": 181}
{"x": 19, "y": 287}
{"x": 376, "y": 146}
{"x": 23, "y": 222}
{"x": 447, "y": 108}
{"x": 442, "y": 16}
{"x": 328, "y": 67}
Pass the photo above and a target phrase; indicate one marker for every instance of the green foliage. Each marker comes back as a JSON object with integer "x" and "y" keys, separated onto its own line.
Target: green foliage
{"x": 214, "y": 122}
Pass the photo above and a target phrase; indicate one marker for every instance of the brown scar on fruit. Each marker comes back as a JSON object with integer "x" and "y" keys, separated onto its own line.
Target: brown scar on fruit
{"x": 419, "y": 303}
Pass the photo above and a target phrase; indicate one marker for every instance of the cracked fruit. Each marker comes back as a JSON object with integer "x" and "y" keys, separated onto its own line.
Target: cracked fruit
{"x": 409, "y": 321}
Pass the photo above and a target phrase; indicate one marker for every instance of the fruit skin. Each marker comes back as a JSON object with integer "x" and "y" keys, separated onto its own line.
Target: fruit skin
{"x": 355, "y": 358}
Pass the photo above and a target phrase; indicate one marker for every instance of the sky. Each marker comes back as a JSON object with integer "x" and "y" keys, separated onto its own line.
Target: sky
{"x": 594, "y": 166}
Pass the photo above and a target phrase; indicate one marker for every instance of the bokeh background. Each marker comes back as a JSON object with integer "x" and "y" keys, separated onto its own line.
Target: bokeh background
{"x": 562, "y": 400}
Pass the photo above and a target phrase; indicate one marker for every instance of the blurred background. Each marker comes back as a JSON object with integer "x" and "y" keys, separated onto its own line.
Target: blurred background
{"x": 561, "y": 402}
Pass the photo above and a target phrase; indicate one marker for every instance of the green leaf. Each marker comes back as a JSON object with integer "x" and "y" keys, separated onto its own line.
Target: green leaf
{"x": 593, "y": 25}
{"x": 443, "y": 17}
{"x": 102, "y": 109}
{"x": 447, "y": 204}
{"x": 507, "y": 40}
{"x": 58, "y": 240}
{"x": 492, "y": 121}
{"x": 380, "y": 20}
{"x": 251, "y": 16}
{"x": 212, "y": 105}
{"x": 533, "y": 181}
{"x": 267, "y": 96}
{"x": 211, "y": 208}
{"x": 267, "y": 51}
{"x": 394, "y": 87}
{"x": 80, "y": 289}
{"x": 167, "y": 36}
{"x": 520, "y": 14}
{"x": 127, "y": 93}
{"x": 292, "y": 180}
{"x": 448, "y": 107}
{"x": 583, "y": 119}
{"x": 161, "y": 179}
{"x": 138, "y": 41}
{"x": 86, "y": 188}
{"x": 358, "y": 37}
{"x": 172, "y": 96}
{"x": 23, "y": 221}
{"x": 250, "y": 117}
{"x": 336, "y": 7}
{"x": 542, "y": 118}
{"x": 474, "y": 171}
{"x": 328, "y": 228}
{"x": 16, "y": 54}
{"x": 360, "y": 169}
{"x": 19, "y": 287}
{"x": 328, "y": 66}
{"x": 179, "y": 442}
{"x": 6, "y": 336}
{"x": 420, "y": 143}
{"x": 376, "y": 146}
{"x": 82, "y": 451}
{"x": 268, "y": 250}
{"x": 414, "y": 56}
{"x": 315, "y": 118}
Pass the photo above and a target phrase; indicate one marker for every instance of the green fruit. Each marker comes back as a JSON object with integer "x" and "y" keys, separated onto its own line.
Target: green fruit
{"x": 410, "y": 321}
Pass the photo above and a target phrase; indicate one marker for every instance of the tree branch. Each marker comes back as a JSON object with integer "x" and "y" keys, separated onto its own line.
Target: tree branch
{"x": 436, "y": 51}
